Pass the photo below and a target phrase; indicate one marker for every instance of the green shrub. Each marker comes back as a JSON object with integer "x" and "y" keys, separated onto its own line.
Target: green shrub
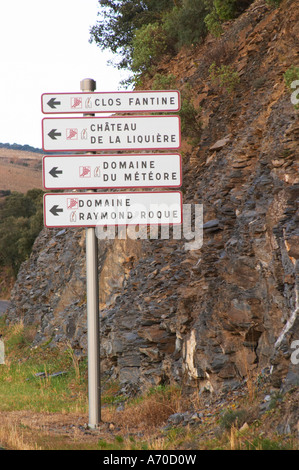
{"x": 290, "y": 76}
{"x": 225, "y": 9}
{"x": 260, "y": 443}
{"x": 185, "y": 25}
{"x": 224, "y": 76}
{"x": 291, "y": 79}
{"x": 274, "y": 3}
{"x": 233, "y": 418}
{"x": 213, "y": 24}
{"x": 149, "y": 43}
{"x": 164, "y": 82}
{"x": 190, "y": 120}
{"x": 222, "y": 10}
{"x": 21, "y": 220}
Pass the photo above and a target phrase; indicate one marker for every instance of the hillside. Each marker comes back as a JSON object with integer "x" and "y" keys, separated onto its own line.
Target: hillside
{"x": 20, "y": 170}
{"x": 218, "y": 318}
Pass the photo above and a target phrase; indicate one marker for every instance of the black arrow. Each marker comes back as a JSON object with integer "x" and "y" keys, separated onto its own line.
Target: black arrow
{"x": 53, "y": 134}
{"x": 52, "y": 103}
{"x": 55, "y": 210}
{"x": 54, "y": 172}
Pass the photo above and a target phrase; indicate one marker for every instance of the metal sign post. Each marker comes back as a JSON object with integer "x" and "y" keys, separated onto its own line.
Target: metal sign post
{"x": 93, "y": 327}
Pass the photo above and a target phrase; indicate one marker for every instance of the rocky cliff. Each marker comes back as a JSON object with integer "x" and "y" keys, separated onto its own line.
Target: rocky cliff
{"x": 208, "y": 317}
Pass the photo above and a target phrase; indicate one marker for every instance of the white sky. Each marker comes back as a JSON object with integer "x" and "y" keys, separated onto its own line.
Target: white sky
{"x": 44, "y": 48}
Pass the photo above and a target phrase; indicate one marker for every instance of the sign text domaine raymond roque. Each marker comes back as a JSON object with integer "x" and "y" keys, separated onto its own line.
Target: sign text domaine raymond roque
{"x": 101, "y": 209}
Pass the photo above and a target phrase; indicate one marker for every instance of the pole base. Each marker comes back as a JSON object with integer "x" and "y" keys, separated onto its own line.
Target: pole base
{"x": 93, "y": 426}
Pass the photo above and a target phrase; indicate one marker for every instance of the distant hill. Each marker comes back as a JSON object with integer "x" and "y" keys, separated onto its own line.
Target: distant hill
{"x": 24, "y": 148}
{"x": 20, "y": 168}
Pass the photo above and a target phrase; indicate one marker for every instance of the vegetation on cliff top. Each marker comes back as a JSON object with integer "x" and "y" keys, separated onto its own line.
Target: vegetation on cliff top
{"x": 140, "y": 32}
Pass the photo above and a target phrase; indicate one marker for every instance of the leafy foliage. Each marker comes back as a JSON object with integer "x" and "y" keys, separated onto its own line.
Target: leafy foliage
{"x": 185, "y": 24}
{"x": 21, "y": 220}
{"x": 149, "y": 43}
{"x": 290, "y": 75}
{"x": 141, "y": 31}
{"x": 120, "y": 20}
{"x": 224, "y": 77}
{"x": 291, "y": 80}
{"x": 274, "y": 3}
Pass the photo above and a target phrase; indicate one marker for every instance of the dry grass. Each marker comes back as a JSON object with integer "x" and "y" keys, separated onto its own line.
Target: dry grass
{"x": 151, "y": 411}
{"x": 20, "y": 171}
{"x": 18, "y": 178}
{"x": 11, "y": 437}
{"x": 52, "y": 414}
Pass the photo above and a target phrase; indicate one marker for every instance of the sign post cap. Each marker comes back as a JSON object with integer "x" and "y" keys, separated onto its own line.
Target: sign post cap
{"x": 88, "y": 84}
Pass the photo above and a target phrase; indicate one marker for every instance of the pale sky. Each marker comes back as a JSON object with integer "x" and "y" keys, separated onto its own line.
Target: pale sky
{"x": 44, "y": 48}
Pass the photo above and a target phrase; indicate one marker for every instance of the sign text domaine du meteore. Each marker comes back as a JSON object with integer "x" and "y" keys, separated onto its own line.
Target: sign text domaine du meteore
{"x": 117, "y": 171}
{"x": 111, "y": 133}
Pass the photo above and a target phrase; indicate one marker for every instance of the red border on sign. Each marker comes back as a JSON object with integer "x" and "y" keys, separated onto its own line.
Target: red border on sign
{"x": 113, "y": 156}
{"x": 115, "y": 194}
{"x": 117, "y": 93}
{"x": 97, "y": 149}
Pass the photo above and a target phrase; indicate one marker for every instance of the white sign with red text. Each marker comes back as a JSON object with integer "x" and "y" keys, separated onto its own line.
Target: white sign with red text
{"x": 112, "y": 171}
{"x": 111, "y": 133}
{"x": 121, "y": 208}
{"x": 105, "y": 102}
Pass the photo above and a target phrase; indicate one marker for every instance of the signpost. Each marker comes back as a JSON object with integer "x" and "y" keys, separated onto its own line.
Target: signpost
{"x": 111, "y": 133}
{"x": 106, "y": 102}
{"x": 91, "y": 172}
{"x": 112, "y": 171}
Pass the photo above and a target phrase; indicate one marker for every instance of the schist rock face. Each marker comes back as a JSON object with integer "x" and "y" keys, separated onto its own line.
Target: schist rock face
{"x": 206, "y": 317}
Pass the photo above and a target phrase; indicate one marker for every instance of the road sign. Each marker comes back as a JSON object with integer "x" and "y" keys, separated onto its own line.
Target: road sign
{"x": 101, "y": 209}
{"x": 105, "y": 102}
{"x": 111, "y": 133}
{"x": 112, "y": 171}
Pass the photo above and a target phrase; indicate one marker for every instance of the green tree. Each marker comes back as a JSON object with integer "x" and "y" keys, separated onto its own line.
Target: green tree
{"x": 17, "y": 205}
{"x": 119, "y": 20}
{"x": 184, "y": 24}
{"x": 126, "y": 27}
{"x": 149, "y": 43}
{"x": 21, "y": 220}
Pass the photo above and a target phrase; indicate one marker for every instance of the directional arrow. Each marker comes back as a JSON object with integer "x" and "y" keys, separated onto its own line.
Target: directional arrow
{"x": 52, "y": 103}
{"x": 55, "y": 210}
{"x": 53, "y": 134}
{"x": 54, "y": 172}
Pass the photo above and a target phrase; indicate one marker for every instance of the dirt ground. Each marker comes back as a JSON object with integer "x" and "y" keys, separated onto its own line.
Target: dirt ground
{"x": 26, "y": 430}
